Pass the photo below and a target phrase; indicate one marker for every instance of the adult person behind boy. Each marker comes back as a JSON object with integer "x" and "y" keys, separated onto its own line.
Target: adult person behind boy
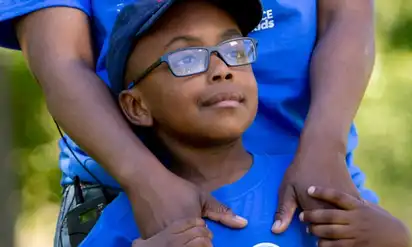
{"x": 192, "y": 58}
{"x": 61, "y": 54}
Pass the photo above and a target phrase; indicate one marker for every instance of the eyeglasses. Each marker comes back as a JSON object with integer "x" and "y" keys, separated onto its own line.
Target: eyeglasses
{"x": 195, "y": 60}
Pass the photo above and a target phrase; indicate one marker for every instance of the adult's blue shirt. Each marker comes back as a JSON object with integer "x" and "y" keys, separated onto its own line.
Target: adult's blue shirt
{"x": 286, "y": 35}
{"x": 251, "y": 197}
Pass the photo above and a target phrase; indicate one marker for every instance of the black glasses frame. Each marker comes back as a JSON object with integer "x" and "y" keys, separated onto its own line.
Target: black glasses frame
{"x": 210, "y": 50}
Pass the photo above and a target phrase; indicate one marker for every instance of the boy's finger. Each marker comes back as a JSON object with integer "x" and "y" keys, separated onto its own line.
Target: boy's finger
{"x": 331, "y": 231}
{"x": 334, "y": 243}
{"x": 335, "y": 197}
{"x": 325, "y": 216}
{"x": 185, "y": 224}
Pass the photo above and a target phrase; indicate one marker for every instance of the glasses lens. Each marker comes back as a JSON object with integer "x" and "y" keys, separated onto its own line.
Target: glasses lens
{"x": 188, "y": 61}
{"x": 238, "y": 52}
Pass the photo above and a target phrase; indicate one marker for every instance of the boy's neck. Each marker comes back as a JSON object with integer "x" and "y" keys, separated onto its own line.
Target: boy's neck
{"x": 209, "y": 167}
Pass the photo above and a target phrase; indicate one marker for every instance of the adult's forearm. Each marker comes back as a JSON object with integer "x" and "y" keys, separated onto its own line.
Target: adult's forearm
{"x": 83, "y": 106}
{"x": 340, "y": 69}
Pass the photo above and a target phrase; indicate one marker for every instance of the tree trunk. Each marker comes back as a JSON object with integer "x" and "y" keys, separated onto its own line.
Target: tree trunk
{"x": 8, "y": 194}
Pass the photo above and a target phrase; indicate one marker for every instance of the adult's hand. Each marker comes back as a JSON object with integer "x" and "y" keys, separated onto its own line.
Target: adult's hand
{"x": 325, "y": 167}
{"x": 157, "y": 205}
{"x": 356, "y": 223}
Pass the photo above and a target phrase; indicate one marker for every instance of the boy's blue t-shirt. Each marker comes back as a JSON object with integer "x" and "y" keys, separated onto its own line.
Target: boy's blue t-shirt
{"x": 253, "y": 197}
{"x": 286, "y": 35}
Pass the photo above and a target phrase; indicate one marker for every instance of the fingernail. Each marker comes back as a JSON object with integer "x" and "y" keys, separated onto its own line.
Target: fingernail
{"x": 301, "y": 216}
{"x": 210, "y": 235}
{"x": 276, "y": 225}
{"x": 311, "y": 190}
{"x": 240, "y": 219}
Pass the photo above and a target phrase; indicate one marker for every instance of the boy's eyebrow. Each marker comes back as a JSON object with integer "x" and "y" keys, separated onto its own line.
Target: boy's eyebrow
{"x": 186, "y": 38}
{"x": 228, "y": 34}
{"x": 231, "y": 33}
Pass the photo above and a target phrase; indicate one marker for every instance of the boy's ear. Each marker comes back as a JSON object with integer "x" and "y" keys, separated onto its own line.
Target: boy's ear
{"x": 134, "y": 108}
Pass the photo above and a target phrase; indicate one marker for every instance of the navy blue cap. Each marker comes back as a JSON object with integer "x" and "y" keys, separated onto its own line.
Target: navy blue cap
{"x": 134, "y": 20}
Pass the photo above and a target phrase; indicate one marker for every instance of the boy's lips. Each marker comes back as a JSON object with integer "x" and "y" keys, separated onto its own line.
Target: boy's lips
{"x": 224, "y": 99}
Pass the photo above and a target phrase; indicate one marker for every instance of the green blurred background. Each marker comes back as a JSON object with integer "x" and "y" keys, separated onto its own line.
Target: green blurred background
{"x": 384, "y": 124}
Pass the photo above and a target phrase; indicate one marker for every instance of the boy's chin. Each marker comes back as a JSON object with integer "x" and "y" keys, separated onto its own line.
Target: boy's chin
{"x": 226, "y": 133}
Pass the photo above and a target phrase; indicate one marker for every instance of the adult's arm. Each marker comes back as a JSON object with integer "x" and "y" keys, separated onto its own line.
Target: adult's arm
{"x": 57, "y": 45}
{"x": 340, "y": 69}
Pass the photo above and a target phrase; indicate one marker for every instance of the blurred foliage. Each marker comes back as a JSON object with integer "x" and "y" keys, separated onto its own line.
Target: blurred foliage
{"x": 384, "y": 122}
{"x": 385, "y": 117}
{"x": 34, "y": 139}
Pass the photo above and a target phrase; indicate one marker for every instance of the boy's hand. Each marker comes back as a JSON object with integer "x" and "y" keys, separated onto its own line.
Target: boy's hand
{"x": 357, "y": 223}
{"x": 183, "y": 233}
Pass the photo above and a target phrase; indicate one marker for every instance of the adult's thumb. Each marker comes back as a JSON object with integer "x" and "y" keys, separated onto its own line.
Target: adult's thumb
{"x": 286, "y": 208}
{"x": 138, "y": 243}
{"x": 216, "y": 211}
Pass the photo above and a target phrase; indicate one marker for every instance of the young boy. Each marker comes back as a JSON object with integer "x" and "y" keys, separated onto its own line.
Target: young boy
{"x": 182, "y": 72}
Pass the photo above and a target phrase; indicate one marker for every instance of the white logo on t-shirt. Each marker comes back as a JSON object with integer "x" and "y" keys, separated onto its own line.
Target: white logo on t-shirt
{"x": 267, "y": 21}
{"x": 266, "y": 245}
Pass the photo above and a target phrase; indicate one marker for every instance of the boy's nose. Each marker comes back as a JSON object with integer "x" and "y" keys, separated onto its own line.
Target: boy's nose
{"x": 219, "y": 71}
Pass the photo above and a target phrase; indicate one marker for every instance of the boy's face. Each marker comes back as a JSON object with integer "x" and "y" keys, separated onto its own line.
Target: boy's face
{"x": 218, "y": 104}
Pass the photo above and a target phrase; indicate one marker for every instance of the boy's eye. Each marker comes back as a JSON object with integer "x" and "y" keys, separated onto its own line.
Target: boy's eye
{"x": 236, "y": 54}
{"x": 186, "y": 60}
